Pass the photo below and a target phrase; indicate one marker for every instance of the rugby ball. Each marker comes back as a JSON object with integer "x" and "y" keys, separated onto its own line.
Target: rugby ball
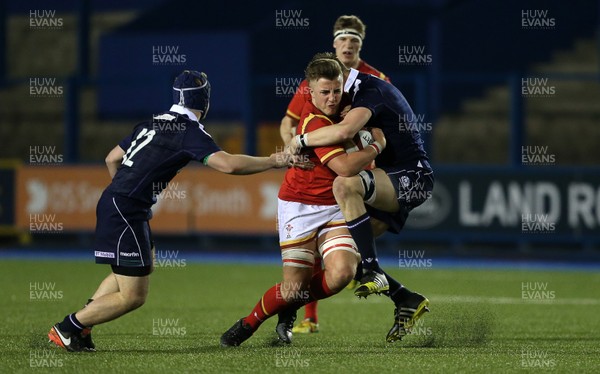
{"x": 362, "y": 139}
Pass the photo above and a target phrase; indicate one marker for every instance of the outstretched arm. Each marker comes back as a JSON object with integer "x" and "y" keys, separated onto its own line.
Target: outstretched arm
{"x": 244, "y": 164}
{"x": 355, "y": 120}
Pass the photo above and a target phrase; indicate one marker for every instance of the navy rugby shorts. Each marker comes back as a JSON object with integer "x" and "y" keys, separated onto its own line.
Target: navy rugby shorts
{"x": 413, "y": 183}
{"x": 123, "y": 237}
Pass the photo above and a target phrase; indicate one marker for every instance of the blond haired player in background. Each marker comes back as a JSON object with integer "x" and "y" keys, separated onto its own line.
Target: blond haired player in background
{"x": 348, "y": 38}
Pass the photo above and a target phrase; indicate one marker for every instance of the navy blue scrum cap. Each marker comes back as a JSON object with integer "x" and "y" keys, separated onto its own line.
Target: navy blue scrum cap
{"x": 191, "y": 89}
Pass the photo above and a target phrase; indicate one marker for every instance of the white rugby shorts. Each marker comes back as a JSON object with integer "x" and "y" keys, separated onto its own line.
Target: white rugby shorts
{"x": 299, "y": 223}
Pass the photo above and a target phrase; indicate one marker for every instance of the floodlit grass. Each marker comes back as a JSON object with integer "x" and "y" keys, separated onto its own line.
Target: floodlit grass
{"x": 480, "y": 321}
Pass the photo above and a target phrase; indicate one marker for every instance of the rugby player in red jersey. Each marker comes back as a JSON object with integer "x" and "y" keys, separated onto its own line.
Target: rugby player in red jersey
{"x": 309, "y": 218}
{"x": 348, "y": 37}
{"x": 380, "y": 199}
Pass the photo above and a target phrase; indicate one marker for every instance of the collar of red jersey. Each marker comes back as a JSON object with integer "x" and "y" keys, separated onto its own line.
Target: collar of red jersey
{"x": 351, "y": 78}
{"x": 183, "y": 110}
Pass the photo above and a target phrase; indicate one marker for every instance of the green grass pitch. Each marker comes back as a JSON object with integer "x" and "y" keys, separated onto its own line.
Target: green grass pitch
{"x": 481, "y": 321}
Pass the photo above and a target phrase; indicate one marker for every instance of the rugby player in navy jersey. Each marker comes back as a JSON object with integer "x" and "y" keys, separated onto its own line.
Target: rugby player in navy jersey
{"x": 402, "y": 180}
{"x": 141, "y": 166}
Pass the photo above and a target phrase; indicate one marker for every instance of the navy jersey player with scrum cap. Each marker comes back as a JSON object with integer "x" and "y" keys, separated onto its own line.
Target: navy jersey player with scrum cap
{"x": 141, "y": 166}
{"x": 402, "y": 181}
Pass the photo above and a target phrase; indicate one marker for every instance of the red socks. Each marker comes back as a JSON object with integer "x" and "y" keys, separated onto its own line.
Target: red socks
{"x": 318, "y": 287}
{"x": 269, "y": 304}
{"x": 272, "y": 303}
{"x": 310, "y": 309}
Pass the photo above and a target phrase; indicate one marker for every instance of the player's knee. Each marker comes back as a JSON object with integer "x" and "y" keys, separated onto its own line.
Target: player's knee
{"x": 341, "y": 275}
{"x": 340, "y": 256}
{"x": 137, "y": 301}
{"x": 134, "y": 300}
{"x": 132, "y": 303}
{"x": 345, "y": 274}
{"x": 343, "y": 187}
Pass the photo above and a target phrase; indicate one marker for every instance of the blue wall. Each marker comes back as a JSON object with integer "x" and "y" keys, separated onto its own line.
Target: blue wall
{"x": 472, "y": 37}
{"x": 137, "y": 70}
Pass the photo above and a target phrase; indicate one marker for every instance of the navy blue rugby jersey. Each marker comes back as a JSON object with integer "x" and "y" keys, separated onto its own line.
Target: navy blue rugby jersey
{"x": 155, "y": 152}
{"x": 392, "y": 114}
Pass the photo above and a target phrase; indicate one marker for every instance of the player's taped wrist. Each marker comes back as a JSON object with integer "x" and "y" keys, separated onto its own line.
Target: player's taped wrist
{"x": 376, "y": 146}
{"x": 302, "y": 141}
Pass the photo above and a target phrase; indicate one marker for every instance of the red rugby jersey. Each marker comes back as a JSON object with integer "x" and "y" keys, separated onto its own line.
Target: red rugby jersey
{"x": 302, "y": 94}
{"x": 313, "y": 187}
